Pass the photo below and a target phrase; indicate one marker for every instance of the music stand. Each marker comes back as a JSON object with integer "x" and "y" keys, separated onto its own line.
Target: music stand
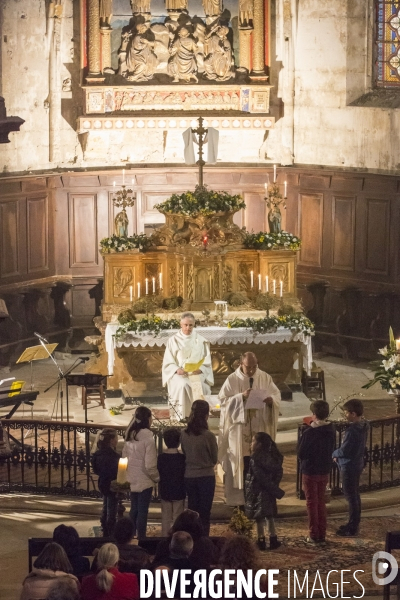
{"x": 36, "y": 353}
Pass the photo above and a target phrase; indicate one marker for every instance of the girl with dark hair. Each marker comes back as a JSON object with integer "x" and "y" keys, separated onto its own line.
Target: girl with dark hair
{"x": 68, "y": 538}
{"x": 200, "y": 448}
{"x": 105, "y": 465}
{"x": 262, "y": 487}
{"x": 142, "y": 473}
{"x": 50, "y": 567}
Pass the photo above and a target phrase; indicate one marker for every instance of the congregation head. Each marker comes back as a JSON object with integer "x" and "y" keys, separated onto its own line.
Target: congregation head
{"x": 248, "y": 363}
{"x": 320, "y": 409}
{"x": 124, "y": 530}
{"x": 63, "y": 590}
{"x": 239, "y": 552}
{"x": 68, "y": 538}
{"x": 198, "y": 418}
{"x": 172, "y": 437}
{"x": 142, "y": 419}
{"x": 181, "y": 545}
{"x": 107, "y": 558}
{"x": 189, "y": 521}
{"x": 53, "y": 558}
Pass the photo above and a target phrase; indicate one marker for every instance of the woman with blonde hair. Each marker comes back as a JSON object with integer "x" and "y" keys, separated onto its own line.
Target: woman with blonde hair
{"x": 109, "y": 583}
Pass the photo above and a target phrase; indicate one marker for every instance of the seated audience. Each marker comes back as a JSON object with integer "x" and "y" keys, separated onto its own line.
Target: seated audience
{"x": 51, "y": 566}
{"x": 68, "y": 538}
{"x": 239, "y": 552}
{"x": 171, "y": 467}
{"x": 131, "y": 558}
{"x": 204, "y": 552}
{"x": 109, "y": 583}
{"x": 180, "y": 549}
{"x": 63, "y": 590}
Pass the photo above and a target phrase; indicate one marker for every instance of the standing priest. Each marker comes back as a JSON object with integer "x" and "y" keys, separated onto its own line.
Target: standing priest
{"x": 186, "y": 368}
{"x": 238, "y": 423}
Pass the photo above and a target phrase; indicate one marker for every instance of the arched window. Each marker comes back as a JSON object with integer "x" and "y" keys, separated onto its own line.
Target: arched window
{"x": 387, "y": 43}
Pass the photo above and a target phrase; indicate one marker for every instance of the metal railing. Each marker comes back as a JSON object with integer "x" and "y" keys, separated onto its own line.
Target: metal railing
{"x": 381, "y": 457}
{"x": 53, "y": 457}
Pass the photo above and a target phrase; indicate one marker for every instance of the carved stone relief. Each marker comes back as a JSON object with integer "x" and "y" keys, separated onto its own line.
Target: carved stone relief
{"x": 172, "y": 280}
{"x": 180, "y": 280}
{"x": 280, "y": 272}
{"x": 244, "y": 269}
{"x": 226, "y": 279}
{"x": 123, "y": 277}
{"x": 216, "y": 282}
{"x": 190, "y": 282}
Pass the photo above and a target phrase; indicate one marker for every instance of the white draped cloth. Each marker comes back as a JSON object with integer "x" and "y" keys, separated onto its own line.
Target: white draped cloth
{"x": 182, "y": 349}
{"x": 238, "y": 425}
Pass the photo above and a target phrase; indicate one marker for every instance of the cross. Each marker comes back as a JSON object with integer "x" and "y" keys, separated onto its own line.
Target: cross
{"x": 201, "y": 132}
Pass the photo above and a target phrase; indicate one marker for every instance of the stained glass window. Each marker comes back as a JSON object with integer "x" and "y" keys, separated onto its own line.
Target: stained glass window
{"x": 387, "y": 43}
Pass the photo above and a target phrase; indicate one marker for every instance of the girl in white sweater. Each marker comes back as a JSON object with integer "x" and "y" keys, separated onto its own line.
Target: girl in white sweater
{"x": 142, "y": 473}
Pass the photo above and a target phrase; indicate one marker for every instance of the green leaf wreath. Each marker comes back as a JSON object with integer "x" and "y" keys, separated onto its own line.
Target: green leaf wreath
{"x": 269, "y": 241}
{"x": 151, "y": 324}
{"x": 201, "y": 201}
{"x": 295, "y": 322}
{"x": 122, "y": 244}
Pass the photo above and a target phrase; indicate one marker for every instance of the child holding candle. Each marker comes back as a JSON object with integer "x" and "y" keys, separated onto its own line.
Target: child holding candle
{"x": 105, "y": 465}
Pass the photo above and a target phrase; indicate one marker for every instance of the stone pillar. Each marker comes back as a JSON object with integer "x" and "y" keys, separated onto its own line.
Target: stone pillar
{"x": 244, "y": 48}
{"x": 105, "y": 36}
{"x": 94, "y": 42}
{"x": 258, "y": 41}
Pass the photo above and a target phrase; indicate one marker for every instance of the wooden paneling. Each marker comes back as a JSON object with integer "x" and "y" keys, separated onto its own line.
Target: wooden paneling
{"x": 255, "y": 213}
{"x": 310, "y": 228}
{"x": 377, "y": 236}
{"x": 37, "y": 234}
{"x": 9, "y": 228}
{"x": 343, "y": 233}
{"x": 83, "y": 238}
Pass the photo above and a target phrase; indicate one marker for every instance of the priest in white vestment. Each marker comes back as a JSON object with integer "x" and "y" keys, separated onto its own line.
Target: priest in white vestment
{"x": 183, "y": 348}
{"x": 238, "y": 425}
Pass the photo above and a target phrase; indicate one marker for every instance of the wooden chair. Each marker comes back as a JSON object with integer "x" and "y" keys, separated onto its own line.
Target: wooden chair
{"x": 91, "y": 384}
{"x": 313, "y": 386}
{"x": 392, "y": 543}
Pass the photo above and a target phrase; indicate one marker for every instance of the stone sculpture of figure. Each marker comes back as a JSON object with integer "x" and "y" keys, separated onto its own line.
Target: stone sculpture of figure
{"x": 274, "y": 219}
{"x": 246, "y": 14}
{"x": 219, "y": 64}
{"x": 121, "y": 224}
{"x": 123, "y": 69}
{"x": 140, "y": 6}
{"x": 141, "y": 62}
{"x": 182, "y": 64}
{"x": 105, "y": 13}
{"x": 212, "y": 8}
{"x": 176, "y": 5}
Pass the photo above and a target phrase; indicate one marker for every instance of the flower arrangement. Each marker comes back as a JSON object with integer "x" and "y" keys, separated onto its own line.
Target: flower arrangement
{"x": 296, "y": 322}
{"x": 240, "y": 524}
{"x": 273, "y": 196}
{"x": 201, "y": 201}
{"x": 120, "y": 244}
{"x": 271, "y": 241}
{"x": 388, "y": 369}
{"x": 151, "y": 324}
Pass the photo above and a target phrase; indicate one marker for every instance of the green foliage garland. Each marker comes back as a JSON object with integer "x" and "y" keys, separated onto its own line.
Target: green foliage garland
{"x": 297, "y": 322}
{"x": 201, "y": 201}
{"x": 121, "y": 244}
{"x": 151, "y": 323}
{"x": 268, "y": 241}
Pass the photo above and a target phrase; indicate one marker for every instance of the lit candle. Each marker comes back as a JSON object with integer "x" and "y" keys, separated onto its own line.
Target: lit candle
{"x": 274, "y": 286}
{"x": 154, "y": 285}
{"x": 123, "y": 176}
{"x": 266, "y": 188}
{"x": 130, "y": 293}
{"x": 274, "y": 173}
{"x": 122, "y": 467}
{"x": 251, "y": 279}
{"x": 267, "y": 283}
{"x": 259, "y": 282}
{"x": 226, "y": 309}
{"x": 138, "y": 290}
{"x": 147, "y": 286}
{"x": 114, "y": 184}
{"x": 133, "y": 180}
{"x": 398, "y": 345}
{"x": 281, "y": 290}
{"x": 285, "y": 195}
{"x": 160, "y": 281}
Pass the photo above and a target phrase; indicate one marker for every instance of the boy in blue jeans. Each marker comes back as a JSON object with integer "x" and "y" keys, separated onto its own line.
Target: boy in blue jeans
{"x": 350, "y": 458}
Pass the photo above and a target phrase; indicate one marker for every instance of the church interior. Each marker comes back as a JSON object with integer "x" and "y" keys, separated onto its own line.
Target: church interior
{"x": 235, "y": 160}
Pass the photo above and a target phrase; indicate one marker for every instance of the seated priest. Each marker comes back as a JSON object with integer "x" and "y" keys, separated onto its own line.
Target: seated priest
{"x": 239, "y": 422}
{"x": 186, "y": 368}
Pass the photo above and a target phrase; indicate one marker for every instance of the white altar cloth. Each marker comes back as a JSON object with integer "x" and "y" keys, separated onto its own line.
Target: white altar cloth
{"x": 215, "y": 335}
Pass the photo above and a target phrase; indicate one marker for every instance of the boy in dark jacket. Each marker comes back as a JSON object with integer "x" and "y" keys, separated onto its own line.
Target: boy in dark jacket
{"x": 171, "y": 466}
{"x": 350, "y": 458}
{"x": 315, "y": 453}
{"x": 105, "y": 465}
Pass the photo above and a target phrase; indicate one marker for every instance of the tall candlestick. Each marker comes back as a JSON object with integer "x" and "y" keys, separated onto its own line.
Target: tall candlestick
{"x": 267, "y": 284}
{"x": 147, "y": 286}
{"x": 122, "y": 467}
{"x": 130, "y": 293}
{"x": 160, "y": 281}
{"x": 251, "y": 279}
{"x": 123, "y": 176}
{"x": 274, "y": 173}
{"x": 154, "y": 285}
{"x": 285, "y": 194}
{"x": 138, "y": 290}
{"x": 259, "y": 282}
{"x": 281, "y": 290}
{"x": 274, "y": 286}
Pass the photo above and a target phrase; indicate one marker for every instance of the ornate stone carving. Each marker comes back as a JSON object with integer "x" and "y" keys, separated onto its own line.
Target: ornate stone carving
{"x": 172, "y": 280}
{"x": 258, "y": 39}
{"x": 123, "y": 278}
{"x": 182, "y": 64}
{"x": 203, "y": 287}
{"x": 122, "y": 52}
{"x": 152, "y": 270}
{"x": 176, "y": 5}
{"x": 280, "y": 272}
{"x": 212, "y": 8}
{"x": 140, "y": 7}
{"x": 190, "y": 282}
{"x": 245, "y": 48}
{"x": 216, "y": 293}
{"x": 219, "y": 63}
{"x": 180, "y": 280}
{"x": 226, "y": 279}
{"x": 246, "y": 14}
{"x": 105, "y": 13}
{"x": 141, "y": 62}
{"x": 244, "y": 269}
{"x": 94, "y": 37}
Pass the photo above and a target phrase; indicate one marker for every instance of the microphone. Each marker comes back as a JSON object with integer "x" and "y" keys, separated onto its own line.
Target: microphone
{"x": 84, "y": 358}
{"x": 40, "y": 337}
{"x": 251, "y": 381}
